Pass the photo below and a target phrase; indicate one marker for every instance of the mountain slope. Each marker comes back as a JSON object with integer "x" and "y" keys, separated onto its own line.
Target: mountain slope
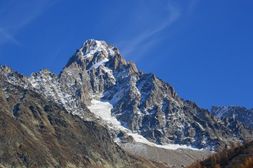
{"x": 36, "y": 132}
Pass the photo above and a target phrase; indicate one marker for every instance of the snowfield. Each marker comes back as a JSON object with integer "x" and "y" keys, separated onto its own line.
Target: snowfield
{"x": 102, "y": 110}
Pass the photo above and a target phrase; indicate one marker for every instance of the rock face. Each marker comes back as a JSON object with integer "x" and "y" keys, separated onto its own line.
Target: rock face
{"x": 141, "y": 102}
{"x": 36, "y": 132}
{"x": 237, "y": 113}
{"x": 238, "y": 119}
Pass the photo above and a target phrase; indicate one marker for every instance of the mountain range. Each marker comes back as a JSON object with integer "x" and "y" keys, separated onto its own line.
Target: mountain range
{"x": 102, "y": 101}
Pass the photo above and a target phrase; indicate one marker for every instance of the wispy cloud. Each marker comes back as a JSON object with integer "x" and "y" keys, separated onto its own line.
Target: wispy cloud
{"x": 5, "y": 36}
{"x": 172, "y": 14}
{"x": 145, "y": 39}
{"x": 192, "y": 6}
{"x": 16, "y": 15}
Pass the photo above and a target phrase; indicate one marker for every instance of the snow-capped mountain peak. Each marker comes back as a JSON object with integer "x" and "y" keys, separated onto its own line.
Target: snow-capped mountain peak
{"x": 141, "y": 102}
{"x": 96, "y": 54}
{"x": 91, "y": 48}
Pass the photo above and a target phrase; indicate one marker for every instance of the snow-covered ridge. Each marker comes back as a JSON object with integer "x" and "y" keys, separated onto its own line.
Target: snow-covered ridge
{"x": 47, "y": 84}
{"x": 220, "y": 111}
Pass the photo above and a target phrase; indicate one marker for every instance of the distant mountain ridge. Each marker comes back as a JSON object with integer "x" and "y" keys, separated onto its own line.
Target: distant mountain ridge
{"x": 234, "y": 116}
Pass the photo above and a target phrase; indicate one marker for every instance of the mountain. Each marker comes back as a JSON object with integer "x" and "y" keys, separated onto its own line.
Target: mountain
{"x": 140, "y": 111}
{"x": 36, "y": 132}
{"x": 141, "y": 102}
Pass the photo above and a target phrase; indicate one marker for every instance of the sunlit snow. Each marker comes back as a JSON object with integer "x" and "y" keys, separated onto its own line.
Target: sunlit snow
{"x": 103, "y": 111}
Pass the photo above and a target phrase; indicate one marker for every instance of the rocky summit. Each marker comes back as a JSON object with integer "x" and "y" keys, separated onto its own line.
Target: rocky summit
{"x": 99, "y": 88}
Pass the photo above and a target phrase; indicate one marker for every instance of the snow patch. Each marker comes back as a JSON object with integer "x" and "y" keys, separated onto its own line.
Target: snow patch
{"x": 96, "y": 65}
{"x": 200, "y": 126}
{"x": 103, "y": 110}
{"x": 139, "y": 138}
{"x": 109, "y": 73}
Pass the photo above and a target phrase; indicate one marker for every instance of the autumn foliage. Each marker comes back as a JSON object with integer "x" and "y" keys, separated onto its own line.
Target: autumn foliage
{"x": 248, "y": 163}
{"x": 235, "y": 157}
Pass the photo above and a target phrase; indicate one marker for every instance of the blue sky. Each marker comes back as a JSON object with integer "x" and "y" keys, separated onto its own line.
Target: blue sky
{"x": 203, "y": 48}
